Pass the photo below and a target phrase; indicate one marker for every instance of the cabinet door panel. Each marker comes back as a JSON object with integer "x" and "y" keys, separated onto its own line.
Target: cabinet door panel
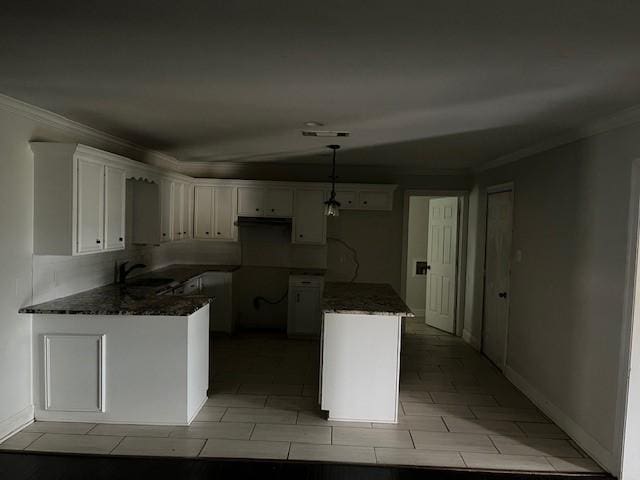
{"x": 279, "y": 202}
{"x": 90, "y": 206}
{"x": 203, "y": 212}
{"x": 374, "y": 200}
{"x": 187, "y": 211}
{"x": 178, "y": 200}
{"x": 310, "y": 222}
{"x": 223, "y": 217}
{"x": 166, "y": 201}
{"x": 304, "y": 311}
{"x": 251, "y": 201}
{"x": 348, "y": 200}
{"x": 115, "y": 181}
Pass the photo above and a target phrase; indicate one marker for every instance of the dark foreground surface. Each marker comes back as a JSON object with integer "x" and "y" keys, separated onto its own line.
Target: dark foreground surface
{"x": 19, "y": 465}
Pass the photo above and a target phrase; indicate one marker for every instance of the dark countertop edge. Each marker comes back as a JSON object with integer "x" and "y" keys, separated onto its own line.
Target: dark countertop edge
{"x": 120, "y": 313}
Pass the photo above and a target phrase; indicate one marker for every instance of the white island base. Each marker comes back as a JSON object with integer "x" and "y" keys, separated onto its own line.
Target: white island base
{"x": 360, "y": 367}
{"x": 140, "y": 369}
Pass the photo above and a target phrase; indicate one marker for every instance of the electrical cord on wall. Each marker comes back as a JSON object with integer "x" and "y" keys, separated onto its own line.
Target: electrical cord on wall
{"x": 258, "y": 300}
{"x": 354, "y": 253}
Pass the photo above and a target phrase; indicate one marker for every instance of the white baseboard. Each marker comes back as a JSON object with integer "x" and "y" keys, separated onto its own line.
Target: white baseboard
{"x": 468, "y": 337}
{"x": 16, "y": 422}
{"x": 589, "y": 444}
{"x": 418, "y": 312}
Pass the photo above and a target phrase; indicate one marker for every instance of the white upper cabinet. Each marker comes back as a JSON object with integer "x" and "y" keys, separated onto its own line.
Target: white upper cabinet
{"x": 265, "y": 201}
{"x": 166, "y": 208}
{"x": 178, "y": 211}
{"x": 251, "y": 201}
{"x": 375, "y": 200}
{"x": 309, "y": 225}
{"x": 224, "y": 215}
{"x": 279, "y": 202}
{"x": 215, "y": 213}
{"x": 348, "y": 199}
{"x": 79, "y": 204}
{"x": 90, "y": 206}
{"x": 203, "y": 212}
{"x": 187, "y": 211}
{"x": 115, "y": 205}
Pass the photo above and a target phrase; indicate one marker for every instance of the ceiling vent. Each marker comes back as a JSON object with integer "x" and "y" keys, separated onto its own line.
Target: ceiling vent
{"x": 325, "y": 133}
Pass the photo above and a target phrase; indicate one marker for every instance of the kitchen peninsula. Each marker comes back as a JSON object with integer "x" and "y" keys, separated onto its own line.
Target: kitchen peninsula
{"x": 128, "y": 353}
{"x": 360, "y": 351}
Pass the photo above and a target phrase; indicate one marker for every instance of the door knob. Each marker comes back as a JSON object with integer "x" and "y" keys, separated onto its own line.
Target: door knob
{"x": 428, "y": 267}
{"x": 502, "y": 294}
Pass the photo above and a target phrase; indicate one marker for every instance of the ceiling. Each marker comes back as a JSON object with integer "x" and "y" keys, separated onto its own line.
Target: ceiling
{"x": 429, "y": 84}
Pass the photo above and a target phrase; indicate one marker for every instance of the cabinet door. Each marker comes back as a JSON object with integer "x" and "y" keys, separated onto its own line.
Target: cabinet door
{"x": 304, "y": 311}
{"x": 115, "y": 191}
{"x": 251, "y": 201}
{"x": 375, "y": 200}
{"x": 279, "y": 202}
{"x": 187, "y": 211}
{"x": 166, "y": 204}
{"x": 203, "y": 212}
{"x": 178, "y": 201}
{"x": 348, "y": 199}
{"x": 90, "y": 216}
{"x": 223, "y": 216}
{"x": 309, "y": 222}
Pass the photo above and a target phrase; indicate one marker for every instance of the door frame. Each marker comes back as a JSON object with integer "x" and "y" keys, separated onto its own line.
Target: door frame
{"x": 461, "y": 271}
{"x": 492, "y": 189}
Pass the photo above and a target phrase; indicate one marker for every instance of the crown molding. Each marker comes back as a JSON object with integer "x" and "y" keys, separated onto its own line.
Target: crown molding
{"x": 59, "y": 122}
{"x": 621, "y": 119}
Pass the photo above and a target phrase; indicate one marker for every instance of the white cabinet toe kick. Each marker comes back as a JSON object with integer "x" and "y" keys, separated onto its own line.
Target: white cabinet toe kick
{"x": 142, "y": 369}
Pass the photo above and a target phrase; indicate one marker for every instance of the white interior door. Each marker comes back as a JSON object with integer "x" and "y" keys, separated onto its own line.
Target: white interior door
{"x": 442, "y": 254}
{"x": 497, "y": 271}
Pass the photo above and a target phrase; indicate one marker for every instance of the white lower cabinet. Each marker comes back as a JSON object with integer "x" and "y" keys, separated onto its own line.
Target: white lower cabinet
{"x": 309, "y": 223}
{"x": 304, "y": 315}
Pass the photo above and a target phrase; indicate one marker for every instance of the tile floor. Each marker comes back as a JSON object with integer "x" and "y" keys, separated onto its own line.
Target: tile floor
{"x": 456, "y": 410}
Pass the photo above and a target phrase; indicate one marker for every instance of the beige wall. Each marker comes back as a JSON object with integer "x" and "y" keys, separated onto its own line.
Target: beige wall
{"x": 567, "y": 293}
{"x": 418, "y": 221}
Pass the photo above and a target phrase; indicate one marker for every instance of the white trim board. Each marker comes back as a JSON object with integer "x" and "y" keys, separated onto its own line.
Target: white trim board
{"x": 16, "y": 422}
{"x": 589, "y": 444}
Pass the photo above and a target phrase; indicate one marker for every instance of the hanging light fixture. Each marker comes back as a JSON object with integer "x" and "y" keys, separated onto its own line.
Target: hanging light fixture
{"x": 332, "y": 206}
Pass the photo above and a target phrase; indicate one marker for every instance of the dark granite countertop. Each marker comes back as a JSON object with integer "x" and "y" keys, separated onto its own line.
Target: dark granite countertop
{"x": 128, "y": 299}
{"x": 363, "y": 299}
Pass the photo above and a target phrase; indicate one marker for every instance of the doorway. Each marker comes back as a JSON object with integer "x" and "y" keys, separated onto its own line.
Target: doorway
{"x": 499, "y": 234}
{"x": 434, "y": 249}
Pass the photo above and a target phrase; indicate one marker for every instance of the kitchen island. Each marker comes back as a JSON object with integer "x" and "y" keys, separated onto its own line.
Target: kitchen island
{"x": 123, "y": 353}
{"x": 360, "y": 351}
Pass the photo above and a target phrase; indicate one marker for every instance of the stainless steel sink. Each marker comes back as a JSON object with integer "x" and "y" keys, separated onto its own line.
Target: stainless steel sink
{"x": 150, "y": 282}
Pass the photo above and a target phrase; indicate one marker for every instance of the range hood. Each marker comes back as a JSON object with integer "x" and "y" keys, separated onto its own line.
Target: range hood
{"x": 255, "y": 221}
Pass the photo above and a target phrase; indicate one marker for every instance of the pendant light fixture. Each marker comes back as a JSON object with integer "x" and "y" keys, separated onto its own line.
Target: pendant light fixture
{"x": 332, "y": 206}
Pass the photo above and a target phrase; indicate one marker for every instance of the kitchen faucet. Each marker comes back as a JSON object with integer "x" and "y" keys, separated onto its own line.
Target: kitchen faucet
{"x": 123, "y": 272}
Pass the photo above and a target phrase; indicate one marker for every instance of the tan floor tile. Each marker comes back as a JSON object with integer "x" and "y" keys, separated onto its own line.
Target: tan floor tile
{"x": 60, "y": 427}
{"x": 507, "y": 462}
{"x": 245, "y": 449}
{"x": 459, "y": 442}
{"x": 271, "y": 389}
{"x": 236, "y": 431}
{"x": 511, "y": 414}
{"x": 436, "y": 410}
{"x": 371, "y": 437}
{"x": 463, "y": 399}
{"x": 20, "y": 440}
{"x": 318, "y": 418}
{"x": 402, "y": 456}
{"x": 535, "y": 446}
{"x": 210, "y": 414}
{"x": 122, "y": 430}
{"x": 260, "y": 415}
{"x": 236, "y": 400}
{"x": 169, "y": 447}
{"x": 574, "y": 465}
{"x": 292, "y": 433}
{"x": 415, "y": 396}
{"x": 544, "y": 430}
{"x": 332, "y": 453}
{"x": 487, "y": 427}
{"x": 292, "y": 402}
{"x": 74, "y": 443}
{"x": 415, "y": 422}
